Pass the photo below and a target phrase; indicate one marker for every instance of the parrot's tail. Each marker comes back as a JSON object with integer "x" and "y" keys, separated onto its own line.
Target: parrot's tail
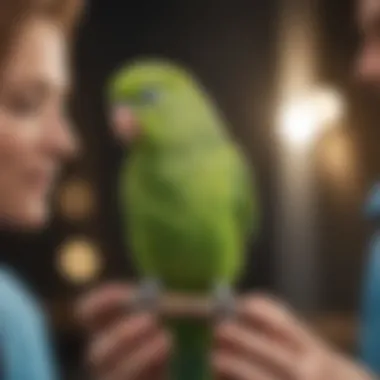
{"x": 192, "y": 343}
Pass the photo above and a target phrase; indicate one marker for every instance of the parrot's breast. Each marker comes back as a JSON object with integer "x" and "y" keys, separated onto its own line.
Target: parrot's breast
{"x": 182, "y": 216}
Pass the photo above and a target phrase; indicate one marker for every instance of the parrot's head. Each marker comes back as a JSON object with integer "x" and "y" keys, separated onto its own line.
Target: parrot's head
{"x": 155, "y": 101}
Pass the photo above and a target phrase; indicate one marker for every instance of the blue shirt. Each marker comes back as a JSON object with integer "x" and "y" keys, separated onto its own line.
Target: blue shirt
{"x": 25, "y": 351}
{"x": 369, "y": 332}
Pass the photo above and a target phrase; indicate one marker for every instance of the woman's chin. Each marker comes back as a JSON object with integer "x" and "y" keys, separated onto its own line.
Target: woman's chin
{"x": 37, "y": 218}
{"x": 32, "y": 217}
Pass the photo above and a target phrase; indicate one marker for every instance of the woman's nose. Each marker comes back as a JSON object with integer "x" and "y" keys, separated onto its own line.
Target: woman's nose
{"x": 63, "y": 141}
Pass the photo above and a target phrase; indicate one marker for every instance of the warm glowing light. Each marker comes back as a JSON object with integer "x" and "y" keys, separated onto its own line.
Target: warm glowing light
{"x": 299, "y": 121}
{"x": 79, "y": 261}
{"x": 338, "y": 161}
{"x": 329, "y": 104}
{"x": 76, "y": 200}
{"x": 302, "y": 118}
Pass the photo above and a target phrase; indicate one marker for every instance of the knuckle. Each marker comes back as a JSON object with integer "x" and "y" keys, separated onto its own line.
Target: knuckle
{"x": 121, "y": 336}
{"x": 92, "y": 357}
{"x": 87, "y": 306}
{"x": 309, "y": 368}
{"x": 267, "y": 304}
{"x": 263, "y": 301}
{"x": 125, "y": 333}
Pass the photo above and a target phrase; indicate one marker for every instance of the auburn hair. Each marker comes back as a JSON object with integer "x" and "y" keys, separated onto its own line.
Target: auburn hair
{"x": 15, "y": 13}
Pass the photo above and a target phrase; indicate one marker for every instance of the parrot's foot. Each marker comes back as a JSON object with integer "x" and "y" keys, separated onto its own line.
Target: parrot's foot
{"x": 148, "y": 294}
{"x": 224, "y": 301}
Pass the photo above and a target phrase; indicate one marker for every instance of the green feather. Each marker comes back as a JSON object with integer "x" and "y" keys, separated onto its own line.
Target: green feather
{"x": 187, "y": 198}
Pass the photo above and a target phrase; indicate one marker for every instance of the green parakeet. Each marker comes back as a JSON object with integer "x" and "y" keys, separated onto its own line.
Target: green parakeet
{"x": 186, "y": 195}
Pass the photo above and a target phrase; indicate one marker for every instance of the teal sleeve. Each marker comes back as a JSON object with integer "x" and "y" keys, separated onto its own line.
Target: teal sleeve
{"x": 25, "y": 347}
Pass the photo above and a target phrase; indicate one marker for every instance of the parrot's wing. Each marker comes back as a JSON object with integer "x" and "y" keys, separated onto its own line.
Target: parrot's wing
{"x": 246, "y": 200}
{"x": 131, "y": 196}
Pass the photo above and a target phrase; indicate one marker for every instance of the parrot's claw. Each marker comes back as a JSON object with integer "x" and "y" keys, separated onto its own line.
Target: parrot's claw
{"x": 148, "y": 295}
{"x": 224, "y": 301}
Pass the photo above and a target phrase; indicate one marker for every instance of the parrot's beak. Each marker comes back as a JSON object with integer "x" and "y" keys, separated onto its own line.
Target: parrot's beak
{"x": 124, "y": 123}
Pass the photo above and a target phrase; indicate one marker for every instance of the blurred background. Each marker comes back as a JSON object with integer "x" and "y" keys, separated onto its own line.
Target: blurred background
{"x": 282, "y": 73}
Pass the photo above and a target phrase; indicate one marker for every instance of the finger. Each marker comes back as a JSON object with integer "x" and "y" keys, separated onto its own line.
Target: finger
{"x": 228, "y": 366}
{"x": 147, "y": 357}
{"x": 97, "y": 308}
{"x": 275, "y": 319}
{"x": 120, "y": 340}
{"x": 255, "y": 348}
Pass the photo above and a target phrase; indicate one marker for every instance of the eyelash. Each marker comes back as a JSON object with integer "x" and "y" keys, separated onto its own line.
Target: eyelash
{"x": 25, "y": 107}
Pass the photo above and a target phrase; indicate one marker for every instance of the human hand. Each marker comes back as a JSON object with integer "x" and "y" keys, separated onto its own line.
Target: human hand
{"x": 268, "y": 342}
{"x": 121, "y": 346}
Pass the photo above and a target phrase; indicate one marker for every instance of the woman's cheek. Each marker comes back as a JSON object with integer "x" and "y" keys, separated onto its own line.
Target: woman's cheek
{"x": 17, "y": 152}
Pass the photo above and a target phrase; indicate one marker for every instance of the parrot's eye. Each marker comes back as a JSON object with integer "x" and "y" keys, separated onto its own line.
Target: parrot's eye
{"x": 150, "y": 97}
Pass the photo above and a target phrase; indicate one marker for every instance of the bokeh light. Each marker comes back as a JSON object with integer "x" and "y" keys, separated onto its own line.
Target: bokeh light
{"x": 76, "y": 200}
{"x": 299, "y": 121}
{"x": 339, "y": 163}
{"x": 79, "y": 260}
{"x": 330, "y": 105}
{"x": 303, "y": 118}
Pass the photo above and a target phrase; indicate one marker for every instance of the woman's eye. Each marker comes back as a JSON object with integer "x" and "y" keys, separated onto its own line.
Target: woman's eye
{"x": 24, "y": 106}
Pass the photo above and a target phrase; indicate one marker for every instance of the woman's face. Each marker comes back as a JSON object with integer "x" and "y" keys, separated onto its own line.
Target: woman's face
{"x": 35, "y": 137}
